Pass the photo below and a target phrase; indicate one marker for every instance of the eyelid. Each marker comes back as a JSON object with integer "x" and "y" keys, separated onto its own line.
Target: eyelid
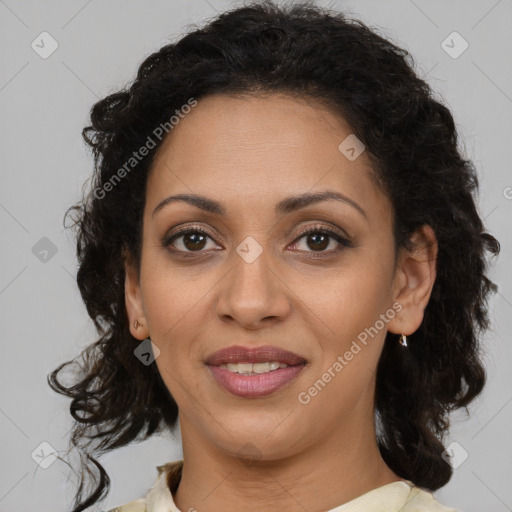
{"x": 180, "y": 231}
{"x": 327, "y": 227}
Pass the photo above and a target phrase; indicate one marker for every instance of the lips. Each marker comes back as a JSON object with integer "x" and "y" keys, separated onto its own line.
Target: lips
{"x": 240, "y": 354}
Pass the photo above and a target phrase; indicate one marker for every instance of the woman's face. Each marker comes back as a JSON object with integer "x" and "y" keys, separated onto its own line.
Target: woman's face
{"x": 254, "y": 279}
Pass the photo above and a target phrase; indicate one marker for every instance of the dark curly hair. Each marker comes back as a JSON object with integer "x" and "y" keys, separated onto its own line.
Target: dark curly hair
{"x": 310, "y": 52}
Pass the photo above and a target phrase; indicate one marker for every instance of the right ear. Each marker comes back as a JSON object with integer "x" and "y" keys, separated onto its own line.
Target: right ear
{"x": 133, "y": 299}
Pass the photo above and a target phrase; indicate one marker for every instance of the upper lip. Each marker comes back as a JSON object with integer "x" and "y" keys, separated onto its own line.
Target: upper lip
{"x": 240, "y": 354}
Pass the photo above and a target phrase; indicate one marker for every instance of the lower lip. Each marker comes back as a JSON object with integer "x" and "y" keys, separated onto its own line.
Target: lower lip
{"x": 255, "y": 385}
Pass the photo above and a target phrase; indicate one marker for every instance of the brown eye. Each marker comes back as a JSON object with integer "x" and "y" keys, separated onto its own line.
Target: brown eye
{"x": 318, "y": 239}
{"x": 192, "y": 240}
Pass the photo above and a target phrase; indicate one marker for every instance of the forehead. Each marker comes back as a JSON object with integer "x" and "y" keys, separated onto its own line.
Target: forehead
{"x": 257, "y": 149}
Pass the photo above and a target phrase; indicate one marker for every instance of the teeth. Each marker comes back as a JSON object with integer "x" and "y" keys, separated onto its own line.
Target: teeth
{"x": 253, "y": 368}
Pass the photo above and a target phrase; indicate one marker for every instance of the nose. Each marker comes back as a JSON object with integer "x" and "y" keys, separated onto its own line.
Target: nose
{"x": 253, "y": 294}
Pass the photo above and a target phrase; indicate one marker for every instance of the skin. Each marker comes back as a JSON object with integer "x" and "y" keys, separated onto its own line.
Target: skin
{"x": 248, "y": 153}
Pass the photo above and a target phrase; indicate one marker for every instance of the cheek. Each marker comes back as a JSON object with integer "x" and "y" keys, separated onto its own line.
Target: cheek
{"x": 350, "y": 334}
{"x": 350, "y": 300}
{"x": 172, "y": 294}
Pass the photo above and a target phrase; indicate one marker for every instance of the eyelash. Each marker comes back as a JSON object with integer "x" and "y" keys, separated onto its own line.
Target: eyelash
{"x": 322, "y": 230}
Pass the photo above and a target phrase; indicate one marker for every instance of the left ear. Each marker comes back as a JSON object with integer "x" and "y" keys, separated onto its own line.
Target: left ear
{"x": 414, "y": 280}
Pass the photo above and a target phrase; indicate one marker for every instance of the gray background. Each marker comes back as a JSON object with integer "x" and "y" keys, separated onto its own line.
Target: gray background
{"x": 44, "y": 104}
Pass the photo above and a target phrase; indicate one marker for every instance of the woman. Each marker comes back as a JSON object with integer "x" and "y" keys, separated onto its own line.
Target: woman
{"x": 281, "y": 244}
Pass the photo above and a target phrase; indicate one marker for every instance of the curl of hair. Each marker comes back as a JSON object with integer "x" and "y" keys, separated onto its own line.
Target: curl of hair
{"x": 314, "y": 53}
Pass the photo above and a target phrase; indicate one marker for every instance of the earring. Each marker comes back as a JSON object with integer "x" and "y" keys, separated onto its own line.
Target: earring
{"x": 403, "y": 340}
{"x": 137, "y": 324}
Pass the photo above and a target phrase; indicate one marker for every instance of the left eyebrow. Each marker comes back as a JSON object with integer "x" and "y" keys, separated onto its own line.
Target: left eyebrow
{"x": 287, "y": 205}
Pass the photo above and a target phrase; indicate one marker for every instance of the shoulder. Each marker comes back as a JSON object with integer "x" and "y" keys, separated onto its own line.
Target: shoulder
{"x": 421, "y": 500}
{"x": 134, "y": 506}
{"x": 169, "y": 475}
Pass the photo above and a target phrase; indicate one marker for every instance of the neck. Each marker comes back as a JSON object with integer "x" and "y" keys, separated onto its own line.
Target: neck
{"x": 334, "y": 470}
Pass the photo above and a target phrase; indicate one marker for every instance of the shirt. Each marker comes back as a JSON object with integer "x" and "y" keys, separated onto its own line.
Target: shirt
{"x": 399, "y": 496}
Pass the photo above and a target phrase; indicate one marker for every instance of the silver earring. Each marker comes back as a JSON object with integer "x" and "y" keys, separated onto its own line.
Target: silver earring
{"x": 403, "y": 340}
{"x": 136, "y": 324}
